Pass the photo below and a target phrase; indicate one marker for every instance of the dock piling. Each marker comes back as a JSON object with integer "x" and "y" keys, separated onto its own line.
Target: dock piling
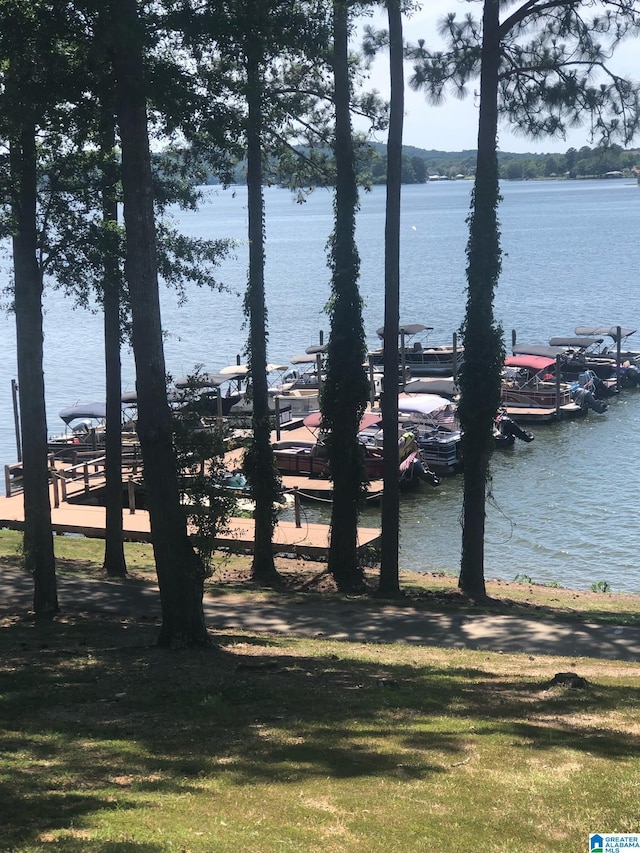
{"x": 131, "y": 493}
{"x": 296, "y": 506}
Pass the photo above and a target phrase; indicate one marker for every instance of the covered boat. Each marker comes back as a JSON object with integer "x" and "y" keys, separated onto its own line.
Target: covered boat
{"x": 310, "y": 457}
{"x": 417, "y": 356}
{"x": 532, "y": 390}
{"x": 204, "y": 392}
{"x": 81, "y": 416}
{"x": 625, "y": 360}
{"x": 619, "y": 341}
{"x": 434, "y": 422}
{"x": 85, "y": 429}
{"x": 574, "y": 357}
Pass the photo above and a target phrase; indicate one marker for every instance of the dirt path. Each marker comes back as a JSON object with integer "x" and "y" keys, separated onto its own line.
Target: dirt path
{"x": 361, "y": 621}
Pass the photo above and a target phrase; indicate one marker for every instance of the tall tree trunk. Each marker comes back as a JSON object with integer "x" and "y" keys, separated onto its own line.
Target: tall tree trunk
{"x": 180, "y": 572}
{"x": 259, "y": 461}
{"x": 345, "y": 392}
{"x": 483, "y": 347}
{"x": 389, "y": 568}
{"x": 38, "y": 538}
{"x": 114, "y": 560}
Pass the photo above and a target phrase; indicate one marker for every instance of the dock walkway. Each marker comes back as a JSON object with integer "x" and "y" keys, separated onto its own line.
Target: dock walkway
{"x": 308, "y": 540}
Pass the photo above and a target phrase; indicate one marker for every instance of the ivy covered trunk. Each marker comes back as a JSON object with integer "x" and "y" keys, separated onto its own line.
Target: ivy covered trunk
{"x": 345, "y": 391}
{"x": 480, "y": 376}
{"x": 259, "y": 461}
{"x": 180, "y": 572}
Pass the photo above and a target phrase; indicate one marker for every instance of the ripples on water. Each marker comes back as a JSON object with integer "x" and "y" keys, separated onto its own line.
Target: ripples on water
{"x": 565, "y": 506}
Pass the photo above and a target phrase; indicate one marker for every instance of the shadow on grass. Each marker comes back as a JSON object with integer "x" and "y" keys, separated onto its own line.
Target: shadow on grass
{"x": 445, "y": 601}
{"x": 71, "y": 846}
{"x": 94, "y": 718}
{"x": 453, "y": 601}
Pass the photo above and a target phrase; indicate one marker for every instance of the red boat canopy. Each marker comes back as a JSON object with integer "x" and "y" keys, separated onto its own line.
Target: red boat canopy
{"x": 314, "y": 420}
{"x": 531, "y": 362}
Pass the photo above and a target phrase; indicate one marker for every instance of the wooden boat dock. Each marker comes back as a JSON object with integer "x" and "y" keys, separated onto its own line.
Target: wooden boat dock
{"x": 307, "y": 487}
{"x": 74, "y": 511}
{"x": 304, "y": 540}
{"x": 543, "y": 414}
{"x": 321, "y": 490}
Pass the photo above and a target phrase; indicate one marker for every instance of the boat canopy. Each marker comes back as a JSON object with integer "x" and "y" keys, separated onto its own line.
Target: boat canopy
{"x": 575, "y": 343}
{"x": 422, "y": 404}
{"x": 530, "y": 362}
{"x": 609, "y": 331}
{"x": 407, "y": 329}
{"x": 235, "y": 371}
{"x": 538, "y": 350}
{"x": 314, "y": 420}
{"x": 95, "y": 411}
{"x": 444, "y": 386}
{"x": 314, "y": 349}
{"x": 174, "y": 395}
{"x": 203, "y": 380}
{"x": 303, "y": 358}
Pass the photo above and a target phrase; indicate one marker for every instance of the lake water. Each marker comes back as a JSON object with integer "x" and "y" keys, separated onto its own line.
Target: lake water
{"x": 564, "y": 508}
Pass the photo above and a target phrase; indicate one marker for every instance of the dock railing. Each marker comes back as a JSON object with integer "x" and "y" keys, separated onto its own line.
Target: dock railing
{"x": 86, "y": 472}
{"x": 85, "y": 469}
{"x": 12, "y": 478}
{"x": 82, "y": 473}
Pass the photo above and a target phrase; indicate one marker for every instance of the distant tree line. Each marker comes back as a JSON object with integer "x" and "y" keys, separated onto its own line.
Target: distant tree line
{"x": 584, "y": 162}
{"x": 419, "y": 164}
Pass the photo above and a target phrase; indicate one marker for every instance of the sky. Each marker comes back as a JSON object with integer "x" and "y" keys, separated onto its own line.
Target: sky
{"x": 453, "y": 126}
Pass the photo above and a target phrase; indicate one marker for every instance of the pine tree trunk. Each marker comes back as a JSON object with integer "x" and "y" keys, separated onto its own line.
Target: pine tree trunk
{"x": 262, "y": 473}
{"x": 114, "y": 560}
{"x": 180, "y": 572}
{"x": 38, "y": 539}
{"x": 389, "y": 568}
{"x": 483, "y": 347}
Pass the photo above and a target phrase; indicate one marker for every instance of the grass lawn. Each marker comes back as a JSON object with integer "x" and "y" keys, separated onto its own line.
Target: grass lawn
{"x": 261, "y": 744}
